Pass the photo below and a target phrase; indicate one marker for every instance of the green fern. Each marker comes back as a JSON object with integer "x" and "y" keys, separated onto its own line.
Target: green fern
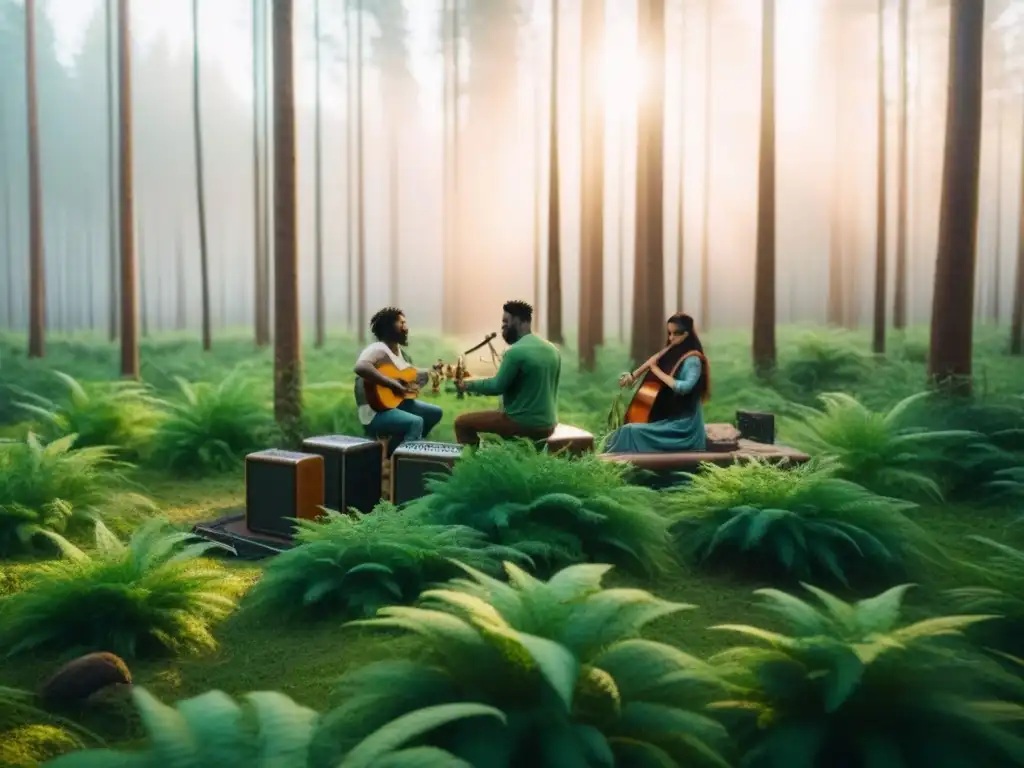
{"x": 210, "y": 428}
{"x": 1002, "y": 594}
{"x": 128, "y": 599}
{"x": 880, "y": 451}
{"x": 121, "y": 415}
{"x": 554, "y": 508}
{"x": 352, "y": 566}
{"x": 823, "y": 362}
{"x": 851, "y": 685}
{"x": 212, "y": 730}
{"x": 44, "y": 487}
{"x": 792, "y": 524}
{"x": 562, "y": 660}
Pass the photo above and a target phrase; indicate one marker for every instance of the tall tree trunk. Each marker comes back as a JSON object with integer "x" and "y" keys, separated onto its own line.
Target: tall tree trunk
{"x": 10, "y": 255}
{"x": 620, "y": 222}
{"x": 181, "y": 278}
{"x": 1017, "y": 315}
{"x": 835, "y": 310}
{"x": 350, "y": 185}
{"x": 287, "y": 341}
{"x": 394, "y": 222}
{"x": 764, "y": 351}
{"x": 899, "y": 309}
{"x": 591, "y": 306}
{"x": 197, "y": 135}
{"x": 997, "y": 246}
{"x": 126, "y": 215}
{"x": 37, "y": 246}
{"x": 881, "y": 202}
{"x": 952, "y": 327}
{"x": 681, "y": 219}
{"x": 90, "y": 280}
{"x": 360, "y": 182}
{"x": 318, "y": 201}
{"x": 554, "y": 298}
{"x": 261, "y": 314}
{"x": 538, "y": 161}
{"x": 649, "y": 254}
{"x": 144, "y": 304}
{"x": 114, "y": 250}
{"x": 705, "y": 240}
{"x": 447, "y": 206}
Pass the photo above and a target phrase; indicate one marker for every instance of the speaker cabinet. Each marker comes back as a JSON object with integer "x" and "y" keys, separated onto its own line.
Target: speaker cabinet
{"x": 413, "y": 461}
{"x": 352, "y": 470}
{"x": 755, "y": 426}
{"x": 281, "y": 485}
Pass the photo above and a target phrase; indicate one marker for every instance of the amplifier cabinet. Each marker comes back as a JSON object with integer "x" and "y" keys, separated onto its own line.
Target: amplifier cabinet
{"x": 413, "y": 461}
{"x": 755, "y": 426}
{"x": 352, "y": 470}
{"x": 281, "y": 485}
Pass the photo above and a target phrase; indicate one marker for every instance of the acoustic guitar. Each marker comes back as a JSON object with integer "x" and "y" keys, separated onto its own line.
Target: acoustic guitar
{"x": 382, "y": 398}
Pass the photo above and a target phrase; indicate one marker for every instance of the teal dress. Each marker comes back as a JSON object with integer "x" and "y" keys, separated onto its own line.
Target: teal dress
{"x": 675, "y": 435}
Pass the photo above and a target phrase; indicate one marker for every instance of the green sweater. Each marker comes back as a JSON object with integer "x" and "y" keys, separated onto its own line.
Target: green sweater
{"x": 527, "y": 380}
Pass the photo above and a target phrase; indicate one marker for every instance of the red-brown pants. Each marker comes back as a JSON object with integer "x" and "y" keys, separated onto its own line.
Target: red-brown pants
{"x": 468, "y": 427}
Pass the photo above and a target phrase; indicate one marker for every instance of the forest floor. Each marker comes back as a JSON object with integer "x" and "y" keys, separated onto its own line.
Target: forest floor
{"x": 305, "y": 661}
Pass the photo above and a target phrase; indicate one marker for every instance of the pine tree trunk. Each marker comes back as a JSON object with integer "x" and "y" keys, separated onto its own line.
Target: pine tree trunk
{"x": 181, "y": 278}
{"x": 881, "y": 203}
{"x": 649, "y": 259}
{"x": 112, "y": 200}
{"x": 394, "y": 221}
{"x": 705, "y": 240}
{"x": 287, "y": 341}
{"x": 360, "y": 184}
{"x": 1017, "y": 315}
{"x": 899, "y": 309}
{"x": 261, "y": 315}
{"x": 764, "y": 351}
{"x": 318, "y": 201}
{"x": 126, "y": 216}
{"x": 591, "y": 306}
{"x": 554, "y": 297}
{"x": 997, "y": 246}
{"x": 350, "y": 186}
{"x": 37, "y": 246}
{"x": 835, "y": 310}
{"x": 952, "y": 325}
{"x": 448, "y": 292}
{"x": 197, "y": 134}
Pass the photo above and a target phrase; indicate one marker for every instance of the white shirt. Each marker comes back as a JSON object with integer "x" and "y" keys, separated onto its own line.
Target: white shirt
{"x": 366, "y": 413}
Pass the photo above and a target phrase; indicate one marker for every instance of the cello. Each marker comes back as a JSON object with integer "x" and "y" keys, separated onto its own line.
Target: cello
{"x": 642, "y": 403}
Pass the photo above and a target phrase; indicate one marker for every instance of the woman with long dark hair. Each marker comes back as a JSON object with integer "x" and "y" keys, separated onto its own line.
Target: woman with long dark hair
{"x": 675, "y": 423}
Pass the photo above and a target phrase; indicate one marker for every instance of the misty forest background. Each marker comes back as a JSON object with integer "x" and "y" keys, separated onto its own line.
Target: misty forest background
{"x": 452, "y": 154}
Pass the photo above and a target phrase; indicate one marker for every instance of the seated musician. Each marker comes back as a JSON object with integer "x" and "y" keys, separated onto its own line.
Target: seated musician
{"x": 412, "y": 419}
{"x": 527, "y": 382}
{"x": 676, "y": 422}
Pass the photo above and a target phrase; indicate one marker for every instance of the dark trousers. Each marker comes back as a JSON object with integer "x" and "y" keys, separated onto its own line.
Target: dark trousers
{"x": 469, "y": 427}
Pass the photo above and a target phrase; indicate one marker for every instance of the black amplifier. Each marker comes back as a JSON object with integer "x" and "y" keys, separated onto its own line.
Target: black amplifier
{"x": 281, "y": 485}
{"x": 755, "y": 426}
{"x": 413, "y": 461}
{"x": 352, "y": 470}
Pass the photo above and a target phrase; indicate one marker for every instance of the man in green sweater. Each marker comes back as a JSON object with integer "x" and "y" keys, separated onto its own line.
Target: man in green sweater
{"x": 527, "y": 382}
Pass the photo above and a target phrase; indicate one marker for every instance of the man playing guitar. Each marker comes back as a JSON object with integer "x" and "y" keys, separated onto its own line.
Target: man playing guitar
{"x": 412, "y": 419}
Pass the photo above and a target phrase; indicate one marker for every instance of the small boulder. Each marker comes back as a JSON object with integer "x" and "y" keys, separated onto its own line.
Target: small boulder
{"x": 79, "y": 679}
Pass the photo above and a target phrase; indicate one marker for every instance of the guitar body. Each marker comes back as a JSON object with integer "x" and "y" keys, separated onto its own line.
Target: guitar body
{"x": 639, "y": 409}
{"x": 381, "y": 398}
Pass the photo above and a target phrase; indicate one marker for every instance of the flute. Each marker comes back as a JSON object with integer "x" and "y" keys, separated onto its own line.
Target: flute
{"x": 643, "y": 368}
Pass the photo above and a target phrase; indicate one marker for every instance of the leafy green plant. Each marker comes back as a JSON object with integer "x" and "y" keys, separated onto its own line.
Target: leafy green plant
{"x": 212, "y": 730}
{"x": 881, "y": 451}
{"x": 130, "y": 599}
{"x": 799, "y": 523}
{"x": 44, "y": 487}
{"x": 554, "y": 508}
{"x": 212, "y": 427}
{"x": 562, "y": 660}
{"x": 1002, "y": 594}
{"x": 852, "y": 685}
{"x": 352, "y": 566}
{"x": 823, "y": 362}
{"x": 120, "y": 414}
{"x": 29, "y": 734}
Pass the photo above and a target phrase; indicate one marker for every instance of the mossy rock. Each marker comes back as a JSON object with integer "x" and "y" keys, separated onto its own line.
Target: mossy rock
{"x": 28, "y": 746}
